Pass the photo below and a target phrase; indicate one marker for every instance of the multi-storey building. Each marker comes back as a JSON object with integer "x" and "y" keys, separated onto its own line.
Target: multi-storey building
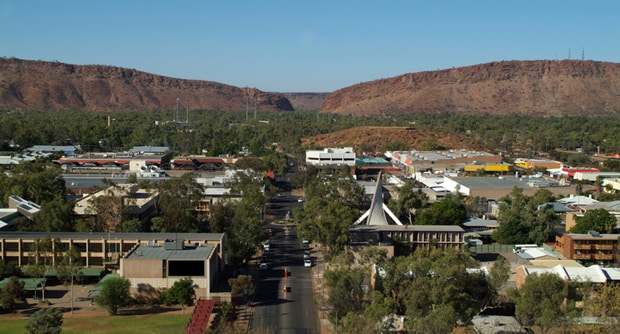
{"x": 592, "y": 247}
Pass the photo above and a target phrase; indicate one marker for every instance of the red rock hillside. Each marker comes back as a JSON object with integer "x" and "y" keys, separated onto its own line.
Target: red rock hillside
{"x": 42, "y": 85}
{"x": 563, "y": 87}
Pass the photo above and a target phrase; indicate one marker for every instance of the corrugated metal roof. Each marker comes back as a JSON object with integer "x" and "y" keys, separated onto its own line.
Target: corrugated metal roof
{"x": 159, "y": 252}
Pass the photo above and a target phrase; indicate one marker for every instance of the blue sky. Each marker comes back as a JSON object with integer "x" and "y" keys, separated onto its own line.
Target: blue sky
{"x": 305, "y": 46}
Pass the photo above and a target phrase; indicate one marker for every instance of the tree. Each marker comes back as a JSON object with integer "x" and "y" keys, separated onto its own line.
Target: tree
{"x": 70, "y": 267}
{"x": 44, "y": 254}
{"x": 56, "y": 216}
{"x": 176, "y": 203}
{"x": 242, "y": 286}
{"x": 131, "y": 226}
{"x": 12, "y": 293}
{"x": 114, "y": 294}
{"x": 45, "y": 321}
{"x": 182, "y": 292}
{"x": 408, "y": 200}
{"x": 448, "y": 211}
{"x": 606, "y": 304}
{"x": 498, "y": 276}
{"x": 599, "y": 220}
{"x": 525, "y": 220}
{"x": 540, "y": 301}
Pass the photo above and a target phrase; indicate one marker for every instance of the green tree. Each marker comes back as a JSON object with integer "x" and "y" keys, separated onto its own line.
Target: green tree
{"x": 132, "y": 226}
{"x": 12, "y": 293}
{"x": 540, "y": 301}
{"x": 44, "y": 255}
{"x": 606, "y": 304}
{"x": 56, "y": 216}
{"x": 448, "y": 211}
{"x": 114, "y": 294}
{"x": 525, "y": 220}
{"x": 45, "y": 321}
{"x": 242, "y": 286}
{"x": 182, "y": 292}
{"x": 599, "y": 220}
{"x": 408, "y": 200}
{"x": 70, "y": 268}
{"x": 176, "y": 203}
{"x": 498, "y": 276}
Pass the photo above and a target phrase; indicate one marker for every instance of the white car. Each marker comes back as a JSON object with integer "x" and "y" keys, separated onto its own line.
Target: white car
{"x": 307, "y": 255}
{"x": 307, "y": 263}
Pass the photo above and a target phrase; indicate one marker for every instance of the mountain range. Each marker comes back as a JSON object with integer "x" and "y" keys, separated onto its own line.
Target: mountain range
{"x": 538, "y": 87}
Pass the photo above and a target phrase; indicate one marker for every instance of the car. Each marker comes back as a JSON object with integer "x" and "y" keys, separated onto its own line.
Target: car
{"x": 263, "y": 266}
{"x": 307, "y": 263}
{"x": 306, "y": 255}
{"x": 300, "y": 200}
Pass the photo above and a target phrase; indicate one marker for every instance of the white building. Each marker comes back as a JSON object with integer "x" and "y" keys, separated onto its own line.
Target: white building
{"x": 344, "y": 156}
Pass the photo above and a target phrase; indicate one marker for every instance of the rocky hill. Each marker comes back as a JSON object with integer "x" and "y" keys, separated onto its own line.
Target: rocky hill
{"x": 42, "y": 85}
{"x": 558, "y": 88}
{"x": 375, "y": 137}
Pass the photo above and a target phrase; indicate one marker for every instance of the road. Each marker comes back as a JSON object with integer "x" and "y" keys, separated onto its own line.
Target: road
{"x": 291, "y": 310}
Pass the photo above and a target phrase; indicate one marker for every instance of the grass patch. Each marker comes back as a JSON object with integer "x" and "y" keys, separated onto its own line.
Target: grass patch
{"x": 151, "y": 323}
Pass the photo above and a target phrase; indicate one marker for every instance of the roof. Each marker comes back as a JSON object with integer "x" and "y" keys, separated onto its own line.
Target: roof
{"x": 535, "y": 253}
{"x": 192, "y": 252}
{"x": 478, "y": 222}
{"x": 150, "y": 149}
{"x": 87, "y": 272}
{"x": 376, "y": 215}
{"x": 493, "y": 183}
{"x": 577, "y": 200}
{"x": 594, "y": 274}
{"x": 492, "y": 324}
{"x": 29, "y": 283}
{"x": 414, "y": 228}
{"x": 113, "y": 236}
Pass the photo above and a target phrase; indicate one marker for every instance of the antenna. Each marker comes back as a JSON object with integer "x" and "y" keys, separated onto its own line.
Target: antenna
{"x": 247, "y": 97}
{"x": 176, "y": 111}
{"x": 582, "y": 53}
{"x": 255, "y": 103}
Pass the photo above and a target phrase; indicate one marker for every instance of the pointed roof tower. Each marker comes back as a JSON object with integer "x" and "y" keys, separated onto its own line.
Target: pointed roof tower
{"x": 376, "y": 215}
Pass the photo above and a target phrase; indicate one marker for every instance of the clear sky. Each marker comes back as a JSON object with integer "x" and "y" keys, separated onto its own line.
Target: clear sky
{"x": 309, "y": 45}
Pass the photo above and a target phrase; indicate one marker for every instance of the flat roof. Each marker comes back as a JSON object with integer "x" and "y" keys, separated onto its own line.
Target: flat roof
{"x": 113, "y": 236}
{"x": 190, "y": 252}
{"x": 493, "y": 183}
{"x": 413, "y": 228}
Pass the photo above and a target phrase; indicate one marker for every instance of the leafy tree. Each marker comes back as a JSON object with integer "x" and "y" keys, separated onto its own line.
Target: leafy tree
{"x": 182, "y": 292}
{"x": 44, "y": 254}
{"x": 132, "y": 225}
{"x": 176, "y": 203}
{"x": 525, "y": 220}
{"x": 242, "y": 286}
{"x": 114, "y": 294}
{"x": 70, "y": 268}
{"x": 448, "y": 211}
{"x": 540, "y": 301}
{"x": 599, "y": 220}
{"x": 408, "y": 200}
{"x": 8, "y": 269}
{"x": 56, "y": 216}
{"x": 12, "y": 293}
{"x": 45, "y": 321}
{"x": 498, "y": 276}
{"x": 606, "y": 304}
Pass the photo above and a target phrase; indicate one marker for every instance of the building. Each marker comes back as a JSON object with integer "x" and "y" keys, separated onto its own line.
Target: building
{"x": 379, "y": 226}
{"x": 331, "y": 157}
{"x": 420, "y": 161}
{"x": 143, "y": 258}
{"x": 497, "y": 187}
{"x": 537, "y": 164}
{"x": 588, "y": 248}
{"x": 64, "y": 149}
{"x": 593, "y": 274}
{"x": 137, "y": 203}
{"x": 159, "y": 265}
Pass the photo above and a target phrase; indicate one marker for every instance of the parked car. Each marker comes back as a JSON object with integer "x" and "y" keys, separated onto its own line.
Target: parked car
{"x": 307, "y": 263}
{"x": 307, "y": 255}
{"x": 263, "y": 266}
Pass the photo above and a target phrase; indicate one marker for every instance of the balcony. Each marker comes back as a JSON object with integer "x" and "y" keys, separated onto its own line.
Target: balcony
{"x": 607, "y": 257}
{"x": 603, "y": 247}
{"x": 581, "y": 256}
{"x": 582, "y": 246}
